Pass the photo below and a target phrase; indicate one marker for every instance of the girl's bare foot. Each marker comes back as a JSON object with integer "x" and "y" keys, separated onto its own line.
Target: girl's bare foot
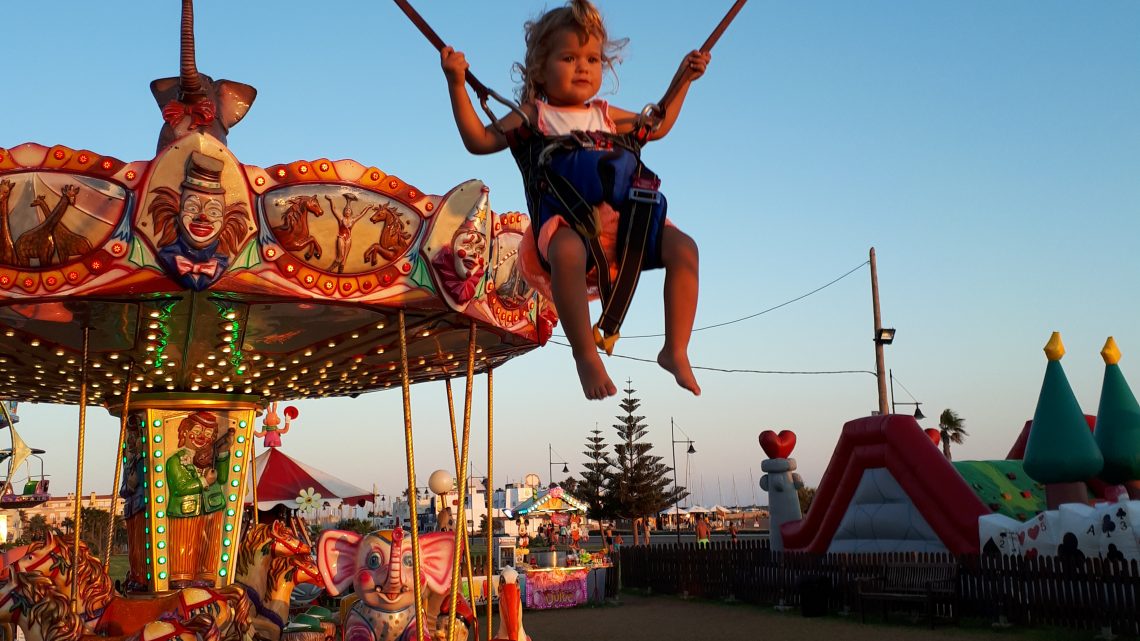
{"x": 595, "y": 380}
{"x": 678, "y": 366}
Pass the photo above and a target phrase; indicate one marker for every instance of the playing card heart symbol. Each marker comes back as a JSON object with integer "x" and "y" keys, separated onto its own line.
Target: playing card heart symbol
{"x": 1034, "y": 530}
{"x": 778, "y": 445}
{"x": 1021, "y": 538}
{"x": 935, "y": 435}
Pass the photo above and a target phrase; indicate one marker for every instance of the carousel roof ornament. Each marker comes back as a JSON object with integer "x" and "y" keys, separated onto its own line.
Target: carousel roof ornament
{"x": 213, "y": 276}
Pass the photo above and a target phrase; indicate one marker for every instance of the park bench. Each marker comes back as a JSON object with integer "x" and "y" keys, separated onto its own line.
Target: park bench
{"x": 925, "y": 583}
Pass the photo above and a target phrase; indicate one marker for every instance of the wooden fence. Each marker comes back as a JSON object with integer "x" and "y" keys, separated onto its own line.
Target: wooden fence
{"x": 1085, "y": 594}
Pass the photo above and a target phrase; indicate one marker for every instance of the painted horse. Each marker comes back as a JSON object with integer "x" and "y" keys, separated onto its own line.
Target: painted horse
{"x": 293, "y": 233}
{"x": 271, "y": 561}
{"x": 393, "y": 239}
{"x": 104, "y": 612}
{"x": 43, "y": 613}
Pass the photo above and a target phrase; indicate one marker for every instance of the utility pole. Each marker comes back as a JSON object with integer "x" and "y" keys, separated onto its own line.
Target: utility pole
{"x": 880, "y": 367}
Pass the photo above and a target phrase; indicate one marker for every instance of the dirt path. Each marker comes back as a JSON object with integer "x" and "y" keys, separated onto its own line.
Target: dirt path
{"x": 664, "y": 618}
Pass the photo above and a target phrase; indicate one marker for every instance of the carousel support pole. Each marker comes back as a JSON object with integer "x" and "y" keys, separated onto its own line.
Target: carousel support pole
{"x": 462, "y": 452}
{"x": 253, "y": 475}
{"x": 77, "y": 516}
{"x": 409, "y": 452}
{"x": 118, "y": 467}
{"x": 490, "y": 495}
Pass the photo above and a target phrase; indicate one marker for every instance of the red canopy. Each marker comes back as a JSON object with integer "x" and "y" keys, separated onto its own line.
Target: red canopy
{"x": 280, "y": 480}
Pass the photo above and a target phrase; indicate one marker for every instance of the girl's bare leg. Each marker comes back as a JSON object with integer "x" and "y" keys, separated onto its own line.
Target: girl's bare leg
{"x": 679, "y": 253}
{"x": 567, "y": 255}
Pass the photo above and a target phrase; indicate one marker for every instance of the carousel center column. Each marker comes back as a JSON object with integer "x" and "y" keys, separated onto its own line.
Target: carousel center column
{"x": 184, "y": 480}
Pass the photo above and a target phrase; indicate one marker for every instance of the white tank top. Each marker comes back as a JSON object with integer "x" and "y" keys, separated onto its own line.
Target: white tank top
{"x": 560, "y": 121}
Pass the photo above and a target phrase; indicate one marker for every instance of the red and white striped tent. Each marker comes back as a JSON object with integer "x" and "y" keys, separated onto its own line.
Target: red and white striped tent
{"x": 281, "y": 478}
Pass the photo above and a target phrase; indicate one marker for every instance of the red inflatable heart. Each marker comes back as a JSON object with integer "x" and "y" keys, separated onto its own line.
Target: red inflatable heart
{"x": 935, "y": 436}
{"x": 778, "y": 445}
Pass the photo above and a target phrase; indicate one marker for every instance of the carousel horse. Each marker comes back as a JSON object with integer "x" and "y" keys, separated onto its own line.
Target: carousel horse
{"x": 271, "y": 561}
{"x": 31, "y": 601}
{"x": 510, "y": 608}
{"x": 104, "y": 612}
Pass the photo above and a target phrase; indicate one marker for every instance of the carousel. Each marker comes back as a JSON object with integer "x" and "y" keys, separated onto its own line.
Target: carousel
{"x": 187, "y": 293}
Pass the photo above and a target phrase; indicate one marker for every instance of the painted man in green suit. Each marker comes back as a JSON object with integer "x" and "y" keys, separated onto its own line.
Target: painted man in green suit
{"x": 197, "y": 474}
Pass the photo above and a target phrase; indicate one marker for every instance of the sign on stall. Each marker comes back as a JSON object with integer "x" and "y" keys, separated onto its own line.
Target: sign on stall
{"x": 556, "y": 588}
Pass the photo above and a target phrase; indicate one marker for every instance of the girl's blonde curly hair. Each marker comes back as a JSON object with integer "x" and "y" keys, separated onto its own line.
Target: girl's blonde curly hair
{"x": 579, "y": 15}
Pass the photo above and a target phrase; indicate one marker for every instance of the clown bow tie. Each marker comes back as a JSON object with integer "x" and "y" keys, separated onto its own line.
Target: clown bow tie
{"x": 186, "y": 266}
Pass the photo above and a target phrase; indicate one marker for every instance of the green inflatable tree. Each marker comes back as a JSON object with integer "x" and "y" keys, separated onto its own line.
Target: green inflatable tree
{"x": 1061, "y": 453}
{"x": 1118, "y": 423}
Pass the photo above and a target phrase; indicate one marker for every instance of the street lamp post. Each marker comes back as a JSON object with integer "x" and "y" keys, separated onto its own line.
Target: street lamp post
{"x": 691, "y": 450}
{"x": 550, "y": 465}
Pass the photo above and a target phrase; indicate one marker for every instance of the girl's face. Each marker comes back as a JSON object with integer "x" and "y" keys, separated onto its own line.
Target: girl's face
{"x": 572, "y": 72}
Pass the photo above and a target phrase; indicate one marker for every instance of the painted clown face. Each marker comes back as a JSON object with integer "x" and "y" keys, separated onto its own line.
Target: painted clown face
{"x": 469, "y": 247}
{"x": 200, "y": 436}
{"x": 200, "y": 217}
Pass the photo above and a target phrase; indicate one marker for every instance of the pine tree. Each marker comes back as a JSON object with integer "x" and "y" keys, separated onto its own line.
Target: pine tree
{"x": 639, "y": 485}
{"x": 592, "y": 486}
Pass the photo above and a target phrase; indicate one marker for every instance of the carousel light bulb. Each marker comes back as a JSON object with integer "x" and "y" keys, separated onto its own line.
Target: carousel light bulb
{"x": 226, "y": 349}
{"x": 328, "y": 363}
{"x": 229, "y": 327}
{"x": 257, "y": 357}
{"x": 211, "y": 356}
{"x": 215, "y": 386}
{"x": 152, "y": 325}
{"x": 96, "y": 364}
{"x": 332, "y": 343}
{"x": 59, "y": 352}
{"x": 379, "y": 325}
{"x": 355, "y": 335}
{"x": 155, "y": 314}
{"x": 426, "y": 333}
{"x": 150, "y": 348}
{"x": 194, "y": 388}
{"x": 209, "y": 372}
{"x": 230, "y": 315}
{"x": 113, "y": 356}
{"x": 152, "y": 336}
{"x": 379, "y": 350}
{"x": 70, "y": 361}
{"x": 308, "y": 352}
{"x": 9, "y": 333}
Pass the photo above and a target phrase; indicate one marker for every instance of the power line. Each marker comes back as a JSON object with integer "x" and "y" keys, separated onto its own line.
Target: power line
{"x": 770, "y": 309}
{"x": 738, "y": 371}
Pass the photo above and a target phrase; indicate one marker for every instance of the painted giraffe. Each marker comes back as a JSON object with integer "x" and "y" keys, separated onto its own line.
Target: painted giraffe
{"x": 40, "y": 241}
{"x": 7, "y": 250}
{"x": 67, "y": 243}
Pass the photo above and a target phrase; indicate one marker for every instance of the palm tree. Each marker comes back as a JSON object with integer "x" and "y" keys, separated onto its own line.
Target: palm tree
{"x": 952, "y": 429}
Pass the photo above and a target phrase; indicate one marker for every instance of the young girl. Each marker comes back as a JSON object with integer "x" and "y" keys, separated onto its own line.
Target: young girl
{"x": 567, "y": 51}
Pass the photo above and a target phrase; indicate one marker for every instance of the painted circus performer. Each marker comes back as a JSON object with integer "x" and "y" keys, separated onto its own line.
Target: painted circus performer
{"x": 197, "y": 234}
{"x": 591, "y": 199}
{"x": 197, "y": 473}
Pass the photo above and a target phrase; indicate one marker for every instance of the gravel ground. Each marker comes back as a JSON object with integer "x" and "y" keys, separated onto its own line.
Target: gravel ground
{"x": 662, "y": 618}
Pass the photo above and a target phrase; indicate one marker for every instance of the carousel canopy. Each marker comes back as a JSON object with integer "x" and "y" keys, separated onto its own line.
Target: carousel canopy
{"x": 552, "y": 500}
{"x": 281, "y": 479}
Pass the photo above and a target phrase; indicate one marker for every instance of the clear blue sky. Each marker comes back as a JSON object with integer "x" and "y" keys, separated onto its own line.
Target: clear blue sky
{"x": 988, "y": 150}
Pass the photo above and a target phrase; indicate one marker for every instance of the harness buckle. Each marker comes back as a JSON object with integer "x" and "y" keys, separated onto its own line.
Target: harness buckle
{"x": 644, "y": 189}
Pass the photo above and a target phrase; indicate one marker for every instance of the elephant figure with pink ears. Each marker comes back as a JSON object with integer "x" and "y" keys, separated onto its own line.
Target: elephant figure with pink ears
{"x": 378, "y": 568}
